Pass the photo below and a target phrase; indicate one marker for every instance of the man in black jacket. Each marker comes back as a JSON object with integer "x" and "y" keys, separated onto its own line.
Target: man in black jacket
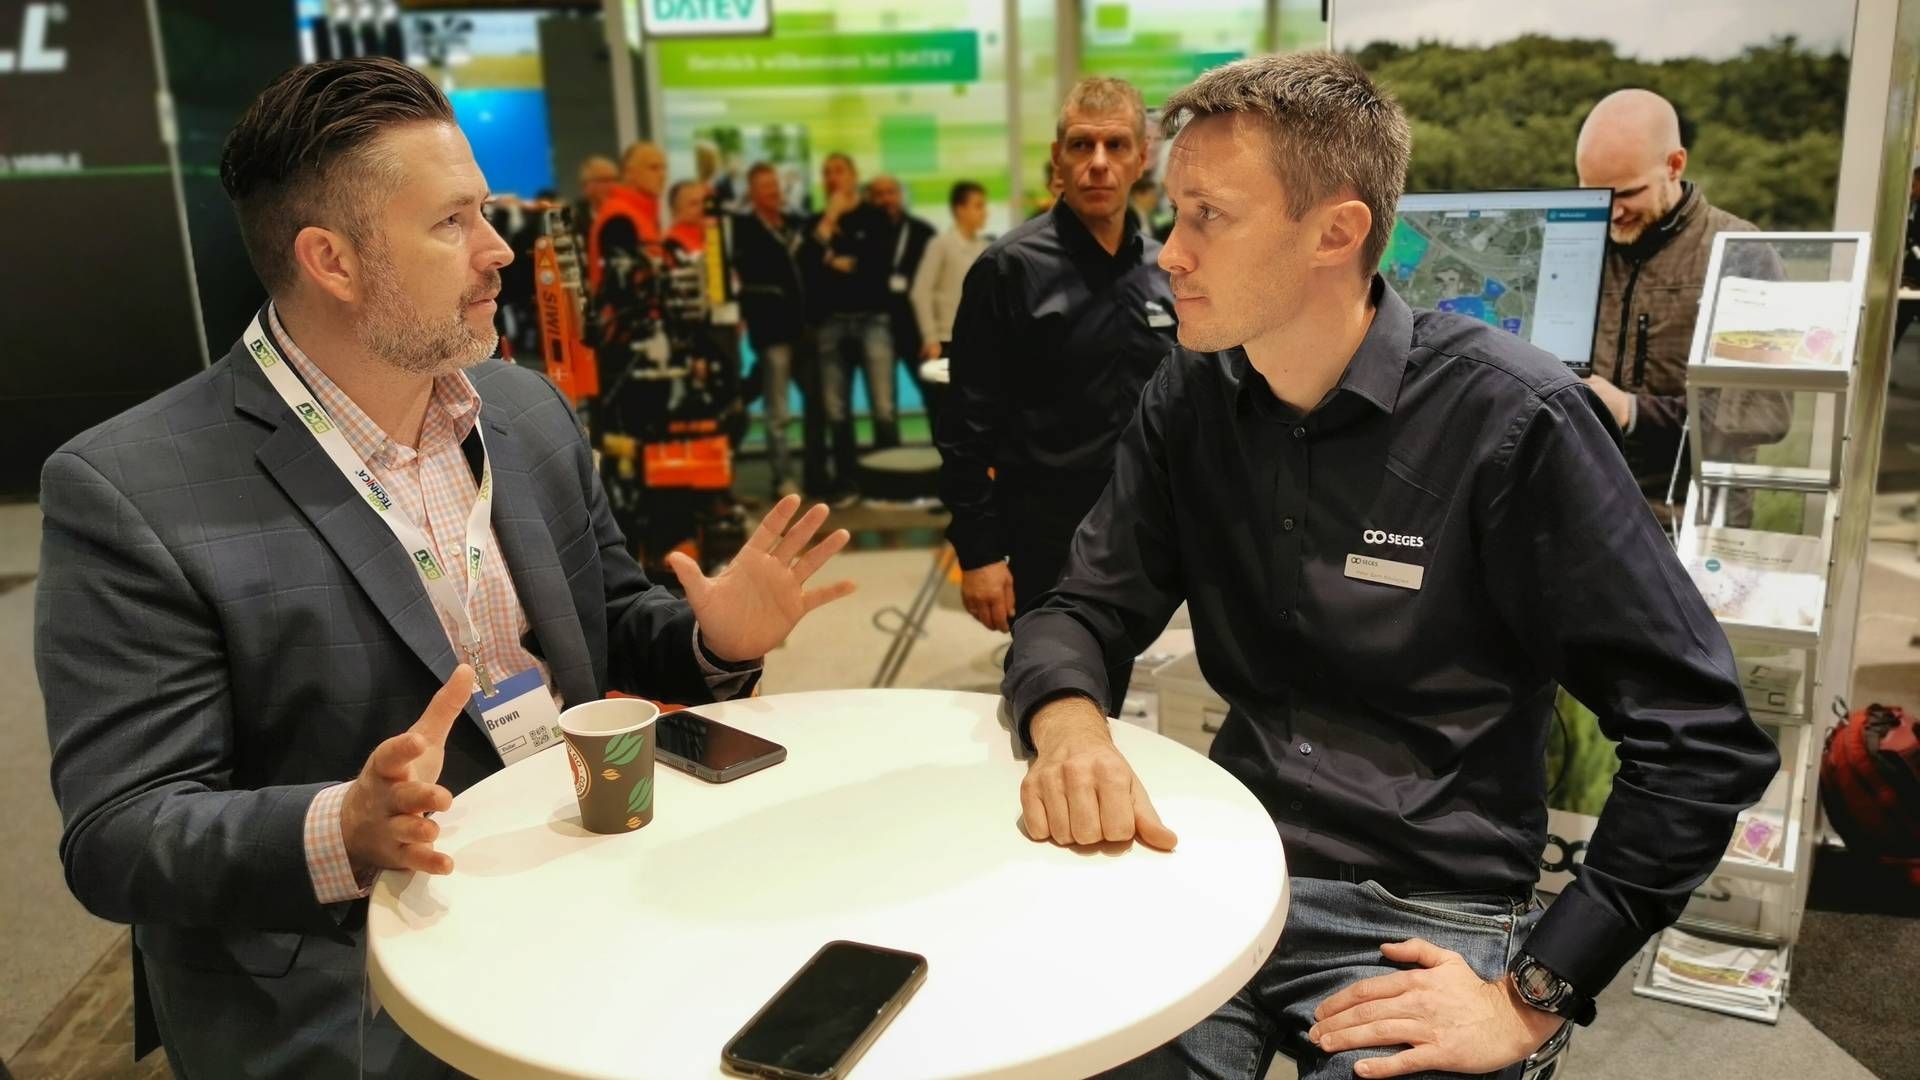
{"x": 767, "y": 248}
{"x": 851, "y": 266}
{"x": 1061, "y": 321}
{"x": 907, "y": 239}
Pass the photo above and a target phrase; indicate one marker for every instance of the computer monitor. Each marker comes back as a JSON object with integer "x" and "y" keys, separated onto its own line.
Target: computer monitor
{"x": 1528, "y": 262}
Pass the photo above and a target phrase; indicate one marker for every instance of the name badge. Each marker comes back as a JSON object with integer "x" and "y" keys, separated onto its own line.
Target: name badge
{"x": 897, "y": 283}
{"x": 1385, "y": 571}
{"x": 520, "y": 717}
{"x": 1158, "y": 317}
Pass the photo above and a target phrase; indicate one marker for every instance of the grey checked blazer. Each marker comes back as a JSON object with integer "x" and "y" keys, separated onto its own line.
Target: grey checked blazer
{"x": 223, "y": 628}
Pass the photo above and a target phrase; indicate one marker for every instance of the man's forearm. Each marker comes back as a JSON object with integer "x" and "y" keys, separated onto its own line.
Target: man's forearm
{"x": 187, "y": 855}
{"x": 1068, "y": 714}
{"x": 967, "y": 488}
{"x": 1055, "y": 658}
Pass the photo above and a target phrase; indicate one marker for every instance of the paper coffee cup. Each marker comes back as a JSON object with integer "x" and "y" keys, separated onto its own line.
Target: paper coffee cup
{"x": 610, "y": 751}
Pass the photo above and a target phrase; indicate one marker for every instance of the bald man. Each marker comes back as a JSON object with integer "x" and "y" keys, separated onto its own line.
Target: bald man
{"x": 598, "y": 174}
{"x": 627, "y": 220}
{"x": 1662, "y": 237}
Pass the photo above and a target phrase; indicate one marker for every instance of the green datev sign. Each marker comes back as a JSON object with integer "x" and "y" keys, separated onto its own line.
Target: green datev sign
{"x": 705, "y": 18}
{"x": 1155, "y": 68}
{"x": 945, "y": 56}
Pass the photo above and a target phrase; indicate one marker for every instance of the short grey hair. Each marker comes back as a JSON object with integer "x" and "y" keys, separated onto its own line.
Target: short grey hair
{"x": 1331, "y": 130}
{"x": 1100, "y": 94}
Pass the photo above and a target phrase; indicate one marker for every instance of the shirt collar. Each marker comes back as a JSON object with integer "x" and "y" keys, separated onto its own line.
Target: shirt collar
{"x": 1074, "y": 233}
{"x": 1380, "y": 363}
{"x": 1373, "y": 374}
{"x": 451, "y": 412}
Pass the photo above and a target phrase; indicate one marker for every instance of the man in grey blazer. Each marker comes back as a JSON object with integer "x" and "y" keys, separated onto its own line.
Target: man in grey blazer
{"x": 253, "y": 691}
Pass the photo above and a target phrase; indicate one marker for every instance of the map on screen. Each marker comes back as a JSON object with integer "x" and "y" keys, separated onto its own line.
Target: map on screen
{"x": 1528, "y": 262}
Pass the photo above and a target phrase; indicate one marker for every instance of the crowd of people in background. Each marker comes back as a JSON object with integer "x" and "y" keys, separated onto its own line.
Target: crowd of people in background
{"x": 836, "y": 289}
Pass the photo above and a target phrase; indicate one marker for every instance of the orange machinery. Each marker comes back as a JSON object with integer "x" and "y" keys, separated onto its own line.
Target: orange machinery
{"x": 559, "y": 295}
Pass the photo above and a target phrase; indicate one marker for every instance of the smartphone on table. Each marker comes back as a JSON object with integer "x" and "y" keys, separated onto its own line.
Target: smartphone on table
{"x": 710, "y": 749}
{"x": 827, "y": 1015}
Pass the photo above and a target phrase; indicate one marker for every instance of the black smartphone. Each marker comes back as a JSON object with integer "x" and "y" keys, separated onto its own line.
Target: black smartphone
{"x": 827, "y": 1015}
{"x": 710, "y": 749}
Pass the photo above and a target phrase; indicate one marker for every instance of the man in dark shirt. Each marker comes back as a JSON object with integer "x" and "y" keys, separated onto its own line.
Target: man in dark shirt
{"x": 1396, "y": 532}
{"x": 767, "y": 246}
{"x": 907, "y": 238}
{"x": 851, "y": 240}
{"x": 1060, "y": 323}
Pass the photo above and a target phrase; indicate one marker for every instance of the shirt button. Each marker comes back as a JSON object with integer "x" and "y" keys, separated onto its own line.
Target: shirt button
{"x": 1297, "y": 805}
{"x": 1300, "y": 432}
{"x": 1306, "y": 748}
{"x": 1286, "y": 524}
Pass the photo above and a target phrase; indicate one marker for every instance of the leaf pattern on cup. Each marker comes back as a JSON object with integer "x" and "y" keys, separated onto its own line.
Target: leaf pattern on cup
{"x": 622, "y": 749}
{"x": 610, "y": 774}
{"x": 641, "y": 797}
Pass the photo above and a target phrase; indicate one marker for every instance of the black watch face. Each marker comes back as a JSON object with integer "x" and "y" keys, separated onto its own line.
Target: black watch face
{"x": 1537, "y": 983}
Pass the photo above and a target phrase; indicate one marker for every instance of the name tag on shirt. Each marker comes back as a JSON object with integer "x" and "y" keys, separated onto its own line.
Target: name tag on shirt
{"x": 897, "y": 283}
{"x": 1385, "y": 571}
{"x": 1158, "y": 316}
{"x": 520, "y": 717}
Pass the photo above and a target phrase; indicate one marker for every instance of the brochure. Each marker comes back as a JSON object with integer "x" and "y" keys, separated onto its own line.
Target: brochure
{"x": 1738, "y": 976}
{"x": 1773, "y": 579}
{"x": 1780, "y": 322}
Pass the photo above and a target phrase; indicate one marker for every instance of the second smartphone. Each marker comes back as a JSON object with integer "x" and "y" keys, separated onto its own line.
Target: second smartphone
{"x": 710, "y": 749}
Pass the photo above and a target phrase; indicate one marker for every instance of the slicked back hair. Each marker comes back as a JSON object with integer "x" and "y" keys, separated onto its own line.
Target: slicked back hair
{"x": 306, "y": 152}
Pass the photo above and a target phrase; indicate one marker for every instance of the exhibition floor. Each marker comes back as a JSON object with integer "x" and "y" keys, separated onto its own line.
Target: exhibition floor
{"x": 65, "y": 1012}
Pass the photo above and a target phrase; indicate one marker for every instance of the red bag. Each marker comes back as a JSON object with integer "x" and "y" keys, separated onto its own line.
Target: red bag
{"x": 1870, "y": 784}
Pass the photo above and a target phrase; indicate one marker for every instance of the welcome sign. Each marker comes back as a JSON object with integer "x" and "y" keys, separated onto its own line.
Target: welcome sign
{"x": 705, "y": 18}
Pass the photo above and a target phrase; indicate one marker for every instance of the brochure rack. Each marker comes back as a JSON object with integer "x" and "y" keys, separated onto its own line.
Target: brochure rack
{"x": 1768, "y": 384}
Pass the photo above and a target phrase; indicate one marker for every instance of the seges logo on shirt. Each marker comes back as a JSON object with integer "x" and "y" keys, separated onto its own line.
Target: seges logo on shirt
{"x": 1375, "y": 536}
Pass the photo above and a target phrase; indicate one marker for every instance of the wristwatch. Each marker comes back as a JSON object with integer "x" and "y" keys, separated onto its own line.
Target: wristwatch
{"x": 1539, "y": 987}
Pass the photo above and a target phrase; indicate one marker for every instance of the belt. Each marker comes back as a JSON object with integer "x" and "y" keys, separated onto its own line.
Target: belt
{"x": 1309, "y": 865}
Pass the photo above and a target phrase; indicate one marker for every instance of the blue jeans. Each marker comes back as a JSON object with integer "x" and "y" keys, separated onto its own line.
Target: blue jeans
{"x": 776, "y": 373}
{"x": 871, "y": 334}
{"x": 1332, "y": 939}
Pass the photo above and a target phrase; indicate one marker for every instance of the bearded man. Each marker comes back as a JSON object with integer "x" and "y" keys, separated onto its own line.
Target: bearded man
{"x": 293, "y": 606}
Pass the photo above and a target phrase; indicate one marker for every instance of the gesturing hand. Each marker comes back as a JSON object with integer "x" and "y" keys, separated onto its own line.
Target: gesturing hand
{"x": 1448, "y": 1017}
{"x": 753, "y": 604}
{"x": 383, "y": 817}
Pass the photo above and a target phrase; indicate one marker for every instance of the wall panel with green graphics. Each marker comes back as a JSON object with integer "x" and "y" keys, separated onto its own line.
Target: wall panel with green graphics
{"x": 1160, "y": 45}
{"x": 917, "y": 91}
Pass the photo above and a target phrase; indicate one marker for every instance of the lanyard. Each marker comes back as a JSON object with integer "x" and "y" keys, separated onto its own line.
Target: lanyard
{"x": 440, "y": 588}
{"x": 900, "y": 249}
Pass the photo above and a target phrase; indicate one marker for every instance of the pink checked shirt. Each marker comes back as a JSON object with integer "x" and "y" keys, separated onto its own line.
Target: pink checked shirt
{"x": 434, "y": 485}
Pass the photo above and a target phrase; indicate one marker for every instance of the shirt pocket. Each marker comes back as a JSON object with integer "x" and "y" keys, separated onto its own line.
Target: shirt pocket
{"x": 1385, "y": 565}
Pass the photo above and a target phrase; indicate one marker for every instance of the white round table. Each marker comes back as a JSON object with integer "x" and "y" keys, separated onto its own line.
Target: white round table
{"x": 553, "y": 952}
